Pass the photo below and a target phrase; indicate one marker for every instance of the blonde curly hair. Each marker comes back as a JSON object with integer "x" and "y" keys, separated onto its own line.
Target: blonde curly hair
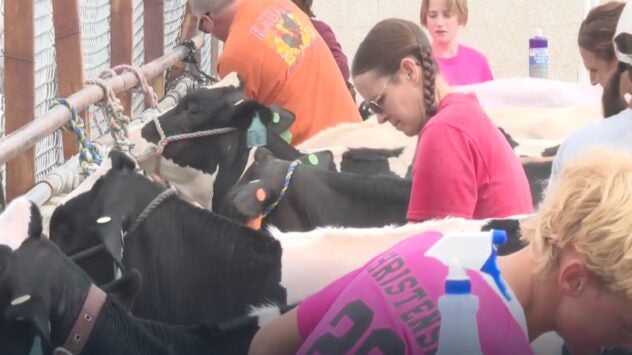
{"x": 589, "y": 209}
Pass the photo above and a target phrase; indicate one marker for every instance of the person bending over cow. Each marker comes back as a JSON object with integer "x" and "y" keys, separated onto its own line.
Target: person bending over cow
{"x": 281, "y": 57}
{"x": 614, "y": 131}
{"x": 573, "y": 277}
{"x": 464, "y": 166}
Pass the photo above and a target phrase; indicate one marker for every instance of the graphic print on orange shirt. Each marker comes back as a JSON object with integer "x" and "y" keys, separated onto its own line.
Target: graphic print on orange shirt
{"x": 289, "y": 36}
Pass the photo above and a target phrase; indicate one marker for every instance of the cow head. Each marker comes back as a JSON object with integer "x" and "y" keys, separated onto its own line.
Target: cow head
{"x": 261, "y": 184}
{"x": 194, "y": 165}
{"x": 34, "y": 283}
{"x": 101, "y": 215}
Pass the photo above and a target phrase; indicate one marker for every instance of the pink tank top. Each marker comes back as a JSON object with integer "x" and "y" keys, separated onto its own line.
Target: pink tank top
{"x": 390, "y": 307}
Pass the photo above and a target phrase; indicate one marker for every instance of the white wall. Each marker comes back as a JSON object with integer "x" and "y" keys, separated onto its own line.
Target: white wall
{"x": 499, "y": 28}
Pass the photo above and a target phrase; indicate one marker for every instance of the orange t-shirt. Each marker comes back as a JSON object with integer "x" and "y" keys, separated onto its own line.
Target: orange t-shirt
{"x": 283, "y": 60}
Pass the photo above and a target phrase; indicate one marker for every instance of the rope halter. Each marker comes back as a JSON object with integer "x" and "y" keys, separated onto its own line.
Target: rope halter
{"x": 286, "y": 183}
{"x": 164, "y": 139}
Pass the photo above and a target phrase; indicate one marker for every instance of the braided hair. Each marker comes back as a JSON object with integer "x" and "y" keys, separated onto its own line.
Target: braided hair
{"x": 390, "y": 41}
{"x": 612, "y": 99}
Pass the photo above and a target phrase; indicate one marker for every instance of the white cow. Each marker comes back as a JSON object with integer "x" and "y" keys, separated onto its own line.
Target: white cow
{"x": 321, "y": 256}
{"x": 366, "y": 134}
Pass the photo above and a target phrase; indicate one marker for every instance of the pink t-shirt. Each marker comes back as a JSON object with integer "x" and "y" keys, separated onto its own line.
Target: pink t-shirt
{"x": 468, "y": 66}
{"x": 464, "y": 167}
{"x": 389, "y": 306}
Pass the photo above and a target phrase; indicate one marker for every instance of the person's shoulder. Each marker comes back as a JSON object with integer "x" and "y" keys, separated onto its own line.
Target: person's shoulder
{"x": 457, "y": 106}
{"x": 611, "y": 131}
{"x": 608, "y": 126}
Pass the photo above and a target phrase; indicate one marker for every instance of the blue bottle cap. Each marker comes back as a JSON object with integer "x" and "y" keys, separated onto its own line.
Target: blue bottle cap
{"x": 499, "y": 236}
{"x": 458, "y": 287}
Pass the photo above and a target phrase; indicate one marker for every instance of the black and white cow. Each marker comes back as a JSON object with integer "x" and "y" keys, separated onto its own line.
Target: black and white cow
{"x": 44, "y": 295}
{"x": 196, "y": 266}
{"x": 202, "y": 169}
{"x": 302, "y": 198}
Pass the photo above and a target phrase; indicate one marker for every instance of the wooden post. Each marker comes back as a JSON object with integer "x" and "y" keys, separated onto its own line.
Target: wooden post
{"x": 154, "y": 31}
{"x": 122, "y": 35}
{"x": 187, "y": 30}
{"x": 19, "y": 88}
{"x": 69, "y": 51}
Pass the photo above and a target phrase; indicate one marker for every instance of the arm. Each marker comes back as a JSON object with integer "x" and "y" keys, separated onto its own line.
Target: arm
{"x": 280, "y": 336}
{"x": 444, "y": 175}
{"x": 285, "y": 335}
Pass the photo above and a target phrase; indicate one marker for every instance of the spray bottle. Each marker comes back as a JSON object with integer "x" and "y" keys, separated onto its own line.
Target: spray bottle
{"x": 538, "y": 55}
{"x": 474, "y": 251}
{"x": 458, "y": 307}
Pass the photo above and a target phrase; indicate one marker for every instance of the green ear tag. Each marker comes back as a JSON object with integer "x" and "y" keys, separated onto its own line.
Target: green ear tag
{"x": 257, "y": 133}
{"x": 286, "y": 136}
{"x": 313, "y": 159}
{"x": 276, "y": 118}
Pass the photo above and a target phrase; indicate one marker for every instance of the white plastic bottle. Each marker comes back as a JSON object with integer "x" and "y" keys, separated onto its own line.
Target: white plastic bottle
{"x": 458, "y": 307}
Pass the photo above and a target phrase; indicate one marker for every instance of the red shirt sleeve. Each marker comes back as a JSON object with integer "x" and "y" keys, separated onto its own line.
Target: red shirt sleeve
{"x": 444, "y": 175}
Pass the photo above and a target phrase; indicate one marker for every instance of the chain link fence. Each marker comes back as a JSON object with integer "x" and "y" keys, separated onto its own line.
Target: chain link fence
{"x": 48, "y": 151}
{"x": 95, "y": 18}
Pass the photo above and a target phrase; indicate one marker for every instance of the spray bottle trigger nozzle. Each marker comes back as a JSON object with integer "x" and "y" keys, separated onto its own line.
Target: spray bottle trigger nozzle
{"x": 499, "y": 236}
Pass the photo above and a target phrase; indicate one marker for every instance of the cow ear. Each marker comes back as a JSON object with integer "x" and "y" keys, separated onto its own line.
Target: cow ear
{"x": 247, "y": 200}
{"x": 245, "y": 111}
{"x": 35, "y": 224}
{"x": 122, "y": 161}
{"x": 125, "y": 290}
{"x": 31, "y": 309}
{"x": 279, "y": 119}
{"x": 110, "y": 231}
{"x": 323, "y": 159}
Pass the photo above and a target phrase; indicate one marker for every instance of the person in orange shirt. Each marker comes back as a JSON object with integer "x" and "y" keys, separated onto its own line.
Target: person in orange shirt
{"x": 276, "y": 50}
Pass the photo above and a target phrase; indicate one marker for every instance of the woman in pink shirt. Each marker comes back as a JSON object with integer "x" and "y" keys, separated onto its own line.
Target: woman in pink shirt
{"x": 463, "y": 167}
{"x": 459, "y": 64}
{"x": 573, "y": 278}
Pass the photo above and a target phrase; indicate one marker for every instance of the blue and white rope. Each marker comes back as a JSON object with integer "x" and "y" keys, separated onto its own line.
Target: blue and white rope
{"x": 286, "y": 183}
{"x": 89, "y": 156}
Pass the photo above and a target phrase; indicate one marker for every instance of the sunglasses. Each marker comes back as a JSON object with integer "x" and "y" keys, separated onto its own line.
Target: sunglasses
{"x": 377, "y": 105}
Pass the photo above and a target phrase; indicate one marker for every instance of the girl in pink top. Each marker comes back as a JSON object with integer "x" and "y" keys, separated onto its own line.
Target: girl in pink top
{"x": 459, "y": 65}
{"x": 573, "y": 277}
{"x": 463, "y": 167}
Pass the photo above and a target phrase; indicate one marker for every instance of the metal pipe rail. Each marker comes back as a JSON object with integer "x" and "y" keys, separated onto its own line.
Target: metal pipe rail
{"x": 64, "y": 178}
{"x": 26, "y": 137}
